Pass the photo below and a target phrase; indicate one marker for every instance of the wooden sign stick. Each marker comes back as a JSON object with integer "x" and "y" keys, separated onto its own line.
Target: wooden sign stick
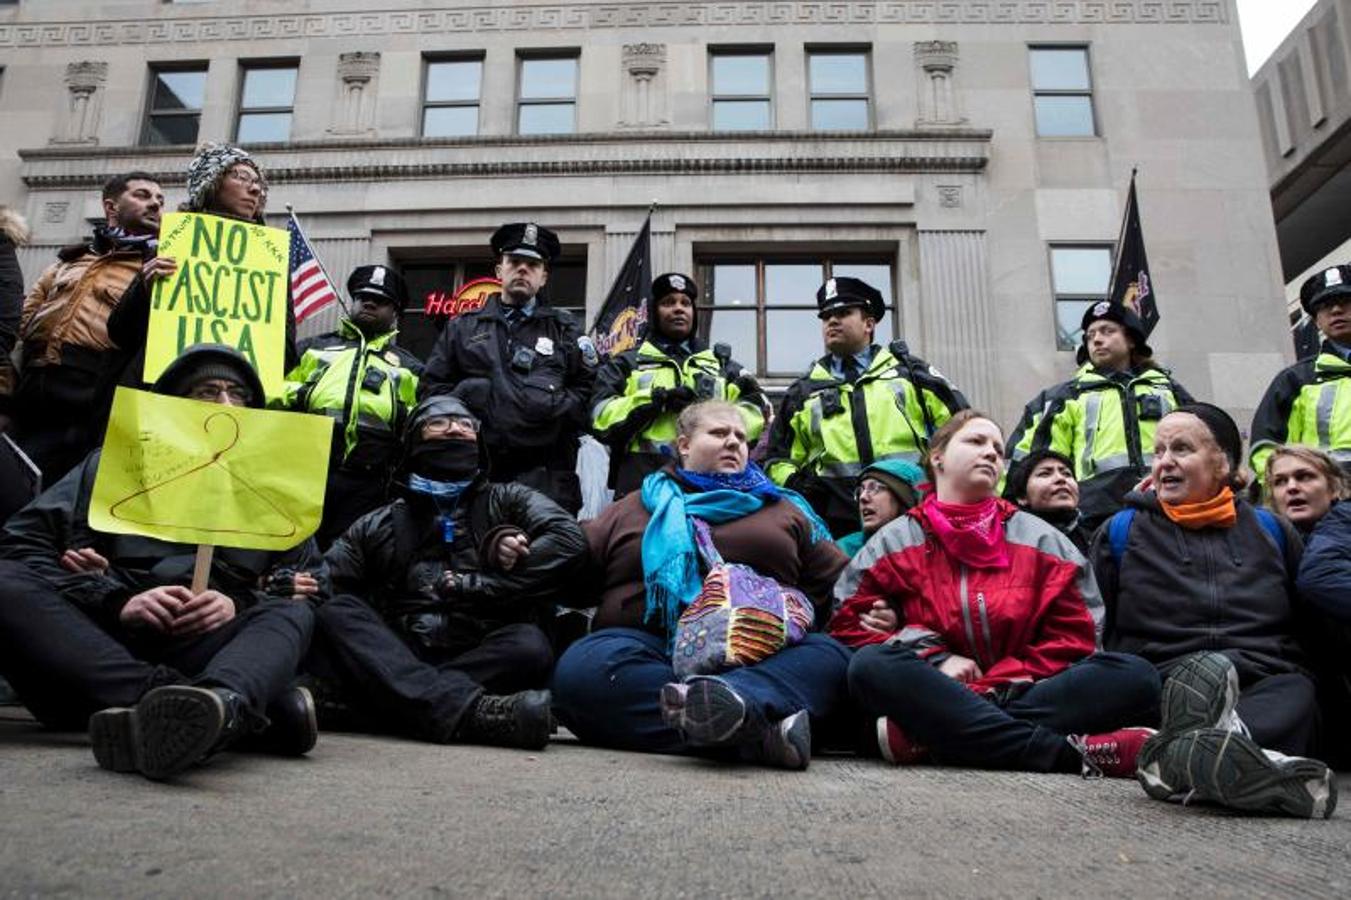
{"x": 201, "y": 570}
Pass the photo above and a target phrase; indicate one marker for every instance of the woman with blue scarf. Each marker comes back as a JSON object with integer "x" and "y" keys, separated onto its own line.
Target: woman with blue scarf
{"x": 617, "y": 687}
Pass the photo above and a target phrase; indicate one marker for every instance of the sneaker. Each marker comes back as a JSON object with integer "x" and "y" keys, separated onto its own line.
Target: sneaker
{"x": 896, "y": 746}
{"x": 787, "y": 744}
{"x": 706, "y": 710}
{"x": 1201, "y": 692}
{"x": 1111, "y": 755}
{"x": 168, "y": 731}
{"x": 523, "y": 719}
{"x": 1228, "y": 768}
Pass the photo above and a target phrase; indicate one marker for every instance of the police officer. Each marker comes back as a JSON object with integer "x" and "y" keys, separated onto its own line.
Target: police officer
{"x": 523, "y": 368}
{"x": 639, "y": 393}
{"x": 1310, "y": 402}
{"x": 858, "y": 404}
{"x": 1103, "y": 418}
{"x": 368, "y": 385}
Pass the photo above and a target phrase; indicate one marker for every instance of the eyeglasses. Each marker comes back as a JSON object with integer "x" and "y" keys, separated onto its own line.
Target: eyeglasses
{"x": 446, "y": 423}
{"x": 213, "y": 390}
{"x": 868, "y": 489}
{"x": 245, "y": 177}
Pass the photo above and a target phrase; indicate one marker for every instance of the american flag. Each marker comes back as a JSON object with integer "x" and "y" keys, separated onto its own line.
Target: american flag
{"x": 311, "y": 290}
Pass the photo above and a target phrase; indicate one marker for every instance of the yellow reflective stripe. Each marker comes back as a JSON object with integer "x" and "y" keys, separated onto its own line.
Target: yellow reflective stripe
{"x": 1327, "y": 401}
{"x": 1092, "y": 412}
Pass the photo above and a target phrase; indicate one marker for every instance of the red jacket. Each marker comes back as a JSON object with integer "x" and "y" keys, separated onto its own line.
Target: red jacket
{"x": 1020, "y": 624}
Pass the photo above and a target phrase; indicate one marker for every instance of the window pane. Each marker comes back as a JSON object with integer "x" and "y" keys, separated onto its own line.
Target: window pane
{"x": 731, "y": 285}
{"x": 1068, "y": 315}
{"x": 745, "y": 76}
{"x": 741, "y": 115}
{"x": 179, "y": 90}
{"x": 839, "y": 115}
{"x": 450, "y": 121}
{"x": 793, "y": 284}
{"x": 1064, "y": 117}
{"x": 454, "y": 80}
{"x": 1060, "y": 70}
{"x": 260, "y": 127}
{"x": 548, "y": 78}
{"x": 736, "y": 328}
{"x": 839, "y": 73}
{"x": 171, "y": 130}
{"x": 1081, "y": 270}
{"x": 546, "y": 118}
{"x": 792, "y": 339}
{"x": 269, "y": 87}
{"x": 876, "y": 274}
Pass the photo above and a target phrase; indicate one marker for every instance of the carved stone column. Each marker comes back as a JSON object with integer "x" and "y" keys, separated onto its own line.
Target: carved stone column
{"x": 643, "y": 90}
{"x": 84, "y": 101}
{"x": 938, "y": 100}
{"x": 356, "y": 73}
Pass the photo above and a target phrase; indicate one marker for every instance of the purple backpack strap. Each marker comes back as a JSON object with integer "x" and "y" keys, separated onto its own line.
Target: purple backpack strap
{"x": 703, "y": 539}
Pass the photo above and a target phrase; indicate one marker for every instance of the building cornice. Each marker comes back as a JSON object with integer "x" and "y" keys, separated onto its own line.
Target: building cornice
{"x": 688, "y": 153}
{"x": 170, "y": 28}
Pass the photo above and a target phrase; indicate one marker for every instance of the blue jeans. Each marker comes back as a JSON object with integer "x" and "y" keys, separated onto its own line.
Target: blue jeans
{"x": 607, "y": 687}
{"x": 1100, "y": 693}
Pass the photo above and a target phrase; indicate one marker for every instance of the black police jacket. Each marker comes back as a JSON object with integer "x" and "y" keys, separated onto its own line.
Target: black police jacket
{"x": 394, "y": 559}
{"x": 529, "y": 383}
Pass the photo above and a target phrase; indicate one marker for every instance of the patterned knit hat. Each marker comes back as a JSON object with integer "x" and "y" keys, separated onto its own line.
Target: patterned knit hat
{"x": 207, "y": 169}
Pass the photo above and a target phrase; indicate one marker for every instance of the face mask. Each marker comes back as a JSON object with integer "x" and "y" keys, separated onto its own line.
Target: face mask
{"x": 445, "y": 460}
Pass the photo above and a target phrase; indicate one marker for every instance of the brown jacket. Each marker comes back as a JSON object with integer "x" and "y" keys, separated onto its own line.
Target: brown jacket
{"x": 776, "y": 541}
{"x": 71, "y": 301}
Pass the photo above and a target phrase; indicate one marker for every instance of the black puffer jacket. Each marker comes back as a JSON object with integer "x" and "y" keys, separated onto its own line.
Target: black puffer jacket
{"x": 58, "y": 520}
{"x": 394, "y": 557}
{"x": 1181, "y": 590}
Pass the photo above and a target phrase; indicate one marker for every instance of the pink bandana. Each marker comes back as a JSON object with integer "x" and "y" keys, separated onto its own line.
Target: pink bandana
{"x": 972, "y": 533}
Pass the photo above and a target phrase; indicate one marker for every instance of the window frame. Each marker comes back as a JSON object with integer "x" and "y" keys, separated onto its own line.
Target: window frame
{"x": 1057, "y": 297}
{"x": 1088, "y": 92}
{"x": 153, "y": 70}
{"x": 431, "y": 59}
{"x": 524, "y": 56}
{"x": 765, "y": 50}
{"x": 864, "y": 50}
{"x": 254, "y": 65}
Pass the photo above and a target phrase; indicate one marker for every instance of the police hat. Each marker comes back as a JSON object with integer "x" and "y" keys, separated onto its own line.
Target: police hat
{"x": 1113, "y": 312}
{"x": 838, "y": 293}
{"x": 378, "y": 281}
{"x": 674, "y": 283}
{"x": 1327, "y": 284}
{"x": 526, "y": 239}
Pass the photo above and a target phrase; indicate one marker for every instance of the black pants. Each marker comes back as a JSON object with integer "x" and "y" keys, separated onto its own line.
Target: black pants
{"x": 65, "y": 667}
{"x": 1281, "y": 712}
{"x": 1100, "y": 693}
{"x": 349, "y": 496}
{"x": 408, "y": 695}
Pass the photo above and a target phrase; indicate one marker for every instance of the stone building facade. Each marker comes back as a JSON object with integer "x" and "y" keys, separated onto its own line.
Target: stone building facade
{"x": 971, "y": 157}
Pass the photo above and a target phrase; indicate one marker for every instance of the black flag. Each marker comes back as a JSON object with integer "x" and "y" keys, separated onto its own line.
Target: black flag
{"x": 619, "y": 325}
{"x": 1308, "y": 340}
{"x": 1131, "y": 285}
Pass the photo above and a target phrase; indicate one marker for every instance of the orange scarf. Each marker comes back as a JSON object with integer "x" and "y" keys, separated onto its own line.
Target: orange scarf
{"x": 1217, "y": 512}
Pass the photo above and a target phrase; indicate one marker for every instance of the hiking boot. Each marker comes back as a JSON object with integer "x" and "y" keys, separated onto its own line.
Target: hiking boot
{"x": 787, "y": 744}
{"x": 523, "y": 720}
{"x": 896, "y": 746}
{"x": 1200, "y": 692}
{"x": 293, "y": 727}
{"x": 706, "y": 711}
{"x": 1228, "y": 768}
{"x": 169, "y": 730}
{"x": 1111, "y": 755}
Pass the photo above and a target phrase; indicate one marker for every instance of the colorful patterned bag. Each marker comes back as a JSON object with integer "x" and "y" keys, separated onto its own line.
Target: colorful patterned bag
{"x": 739, "y": 618}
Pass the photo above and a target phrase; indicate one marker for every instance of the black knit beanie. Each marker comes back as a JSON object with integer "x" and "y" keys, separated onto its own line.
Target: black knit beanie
{"x": 1222, "y": 429}
{"x": 1015, "y": 487}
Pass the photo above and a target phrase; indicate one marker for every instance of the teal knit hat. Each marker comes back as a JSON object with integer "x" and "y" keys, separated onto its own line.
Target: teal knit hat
{"x": 901, "y": 477}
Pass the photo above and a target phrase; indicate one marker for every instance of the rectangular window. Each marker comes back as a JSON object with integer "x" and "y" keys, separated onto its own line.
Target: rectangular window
{"x": 764, "y": 307}
{"x": 1062, "y": 92}
{"x": 175, "y": 109}
{"x": 547, "y": 96}
{"x": 839, "y": 84}
{"x": 741, "y": 90}
{"x": 266, "y": 100}
{"x": 1080, "y": 276}
{"x": 451, "y": 97}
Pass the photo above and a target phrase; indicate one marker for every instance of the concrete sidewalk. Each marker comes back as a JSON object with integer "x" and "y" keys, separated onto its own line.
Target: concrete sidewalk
{"x": 373, "y": 816}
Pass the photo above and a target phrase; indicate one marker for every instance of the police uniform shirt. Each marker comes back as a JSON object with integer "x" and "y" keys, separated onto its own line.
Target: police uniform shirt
{"x": 862, "y": 359}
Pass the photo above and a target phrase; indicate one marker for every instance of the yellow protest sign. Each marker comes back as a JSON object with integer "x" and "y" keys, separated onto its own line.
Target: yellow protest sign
{"x": 206, "y": 473}
{"x": 229, "y": 288}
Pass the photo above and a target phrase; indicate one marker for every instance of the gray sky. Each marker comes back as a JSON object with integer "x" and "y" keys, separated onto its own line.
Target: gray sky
{"x": 1265, "y": 24}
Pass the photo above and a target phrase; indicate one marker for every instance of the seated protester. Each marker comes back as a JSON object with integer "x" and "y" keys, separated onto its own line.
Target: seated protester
{"x": 977, "y": 625}
{"x": 885, "y": 490}
{"x": 433, "y": 624}
{"x": 640, "y": 392}
{"x": 1303, "y": 484}
{"x": 1325, "y": 570}
{"x": 1189, "y": 567}
{"x": 1043, "y": 484}
{"x": 617, "y": 687}
{"x": 104, "y": 625}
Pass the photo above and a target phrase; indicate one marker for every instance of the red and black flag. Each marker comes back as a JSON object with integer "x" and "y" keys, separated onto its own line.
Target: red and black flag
{"x": 1131, "y": 285}
{"x": 619, "y": 325}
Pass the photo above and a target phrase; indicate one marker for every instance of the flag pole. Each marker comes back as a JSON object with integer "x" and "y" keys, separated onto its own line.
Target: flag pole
{"x": 337, "y": 290}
